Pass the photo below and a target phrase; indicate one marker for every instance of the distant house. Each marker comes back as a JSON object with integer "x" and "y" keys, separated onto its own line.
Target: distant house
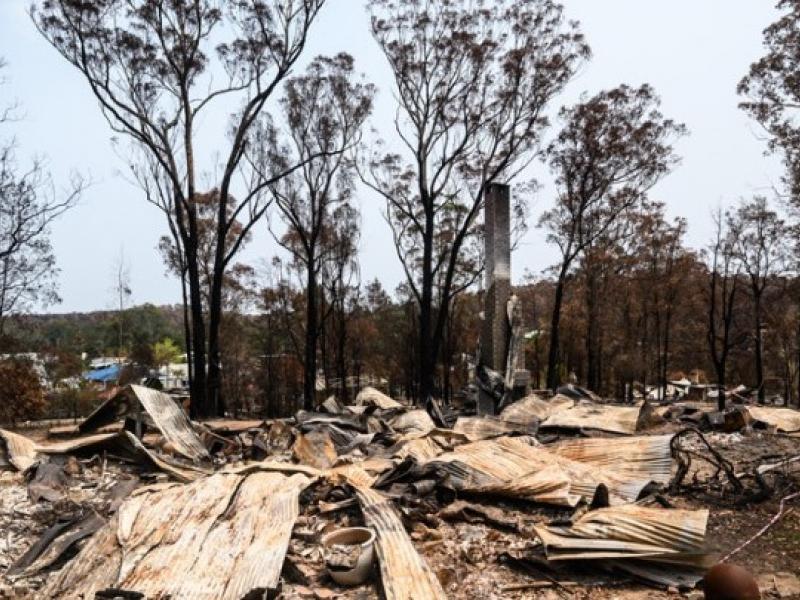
{"x": 108, "y": 374}
{"x": 106, "y": 361}
{"x": 173, "y": 375}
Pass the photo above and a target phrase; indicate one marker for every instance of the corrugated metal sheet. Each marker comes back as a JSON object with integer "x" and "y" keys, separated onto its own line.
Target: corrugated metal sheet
{"x": 785, "y": 420}
{"x": 161, "y": 409}
{"x": 641, "y": 458}
{"x": 513, "y": 467}
{"x": 563, "y": 412}
{"x": 222, "y": 537}
{"x": 420, "y": 449}
{"x": 371, "y": 397}
{"x": 94, "y": 568}
{"x": 483, "y": 428}
{"x": 229, "y": 426}
{"x": 676, "y": 537}
{"x": 314, "y": 449}
{"x": 124, "y": 444}
{"x": 510, "y": 467}
{"x": 404, "y": 573}
{"x": 172, "y": 422}
{"x": 76, "y": 444}
{"x": 602, "y": 417}
{"x": 354, "y": 474}
{"x": 533, "y": 409}
{"x": 17, "y": 450}
{"x": 55, "y": 548}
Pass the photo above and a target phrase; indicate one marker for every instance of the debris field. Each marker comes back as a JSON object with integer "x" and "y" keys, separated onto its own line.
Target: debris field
{"x": 556, "y": 497}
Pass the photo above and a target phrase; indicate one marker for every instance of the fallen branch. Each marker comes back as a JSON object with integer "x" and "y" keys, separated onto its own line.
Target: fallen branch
{"x": 781, "y": 512}
{"x": 537, "y": 585}
{"x": 716, "y": 460}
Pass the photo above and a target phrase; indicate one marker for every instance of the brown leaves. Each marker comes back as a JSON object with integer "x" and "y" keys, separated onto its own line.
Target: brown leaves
{"x": 21, "y": 395}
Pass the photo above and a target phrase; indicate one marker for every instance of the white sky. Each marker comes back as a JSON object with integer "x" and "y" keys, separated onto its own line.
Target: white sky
{"x": 692, "y": 51}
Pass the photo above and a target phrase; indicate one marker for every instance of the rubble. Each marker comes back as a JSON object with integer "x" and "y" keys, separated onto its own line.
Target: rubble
{"x": 672, "y": 539}
{"x": 140, "y": 404}
{"x": 371, "y": 397}
{"x": 404, "y": 573}
{"x": 237, "y": 527}
{"x": 497, "y": 506}
{"x": 16, "y": 451}
{"x": 782, "y": 420}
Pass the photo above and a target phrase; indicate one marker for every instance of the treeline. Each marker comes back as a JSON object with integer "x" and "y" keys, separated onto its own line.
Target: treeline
{"x": 638, "y": 308}
{"x": 131, "y": 332}
{"x": 473, "y": 84}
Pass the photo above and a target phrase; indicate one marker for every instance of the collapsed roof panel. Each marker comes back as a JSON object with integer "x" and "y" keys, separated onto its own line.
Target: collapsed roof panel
{"x": 16, "y": 450}
{"x": 601, "y": 417}
{"x": 127, "y": 446}
{"x": 516, "y": 468}
{"x": 563, "y": 412}
{"x": 238, "y": 527}
{"x": 630, "y": 531}
{"x": 162, "y": 410}
{"x": 784, "y": 420}
{"x": 404, "y": 573}
{"x": 371, "y": 397}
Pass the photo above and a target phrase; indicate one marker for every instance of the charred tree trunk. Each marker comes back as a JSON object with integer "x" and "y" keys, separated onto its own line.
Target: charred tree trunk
{"x": 312, "y": 336}
{"x": 592, "y": 333}
{"x": 759, "y": 347}
{"x": 187, "y": 328}
{"x": 553, "y": 366}
{"x": 426, "y": 358}
{"x": 665, "y": 354}
{"x": 199, "y": 406}
{"x": 341, "y": 354}
{"x": 797, "y": 356}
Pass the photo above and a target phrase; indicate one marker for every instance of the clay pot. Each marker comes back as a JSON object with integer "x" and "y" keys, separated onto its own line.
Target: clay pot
{"x": 351, "y": 536}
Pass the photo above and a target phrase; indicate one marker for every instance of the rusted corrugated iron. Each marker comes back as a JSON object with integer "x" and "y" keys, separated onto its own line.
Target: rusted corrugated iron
{"x": 510, "y": 467}
{"x": 638, "y": 459}
{"x": 516, "y": 468}
{"x": 126, "y": 445}
{"x": 56, "y": 542}
{"x": 564, "y": 412}
{"x": 784, "y": 420}
{"x": 231, "y": 426}
{"x": 676, "y": 537}
{"x": 420, "y": 449}
{"x": 369, "y": 396}
{"x": 172, "y": 422}
{"x": 16, "y": 450}
{"x": 483, "y": 428}
{"x": 404, "y": 573}
{"x": 353, "y": 474}
{"x": 161, "y": 409}
{"x": 314, "y": 449}
{"x": 94, "y": 568}
{"x": 224, "y": 536}
{"x": 533, "y": 409}
{"x": 601, "y": 417}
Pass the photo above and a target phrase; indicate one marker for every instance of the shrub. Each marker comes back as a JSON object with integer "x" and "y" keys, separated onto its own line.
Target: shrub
{"x": 21, "y": 393}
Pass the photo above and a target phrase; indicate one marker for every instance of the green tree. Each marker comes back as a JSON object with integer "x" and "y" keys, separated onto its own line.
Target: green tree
{"x": 166, "y": 352}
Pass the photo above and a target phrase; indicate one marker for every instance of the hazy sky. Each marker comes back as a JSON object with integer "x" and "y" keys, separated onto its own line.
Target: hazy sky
{"x": 692, "y": 51}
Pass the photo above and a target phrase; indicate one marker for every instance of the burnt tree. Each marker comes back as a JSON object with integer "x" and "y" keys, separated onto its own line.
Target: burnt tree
{"x": 472, "y": 82}
{"x": 155, "y": 67}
